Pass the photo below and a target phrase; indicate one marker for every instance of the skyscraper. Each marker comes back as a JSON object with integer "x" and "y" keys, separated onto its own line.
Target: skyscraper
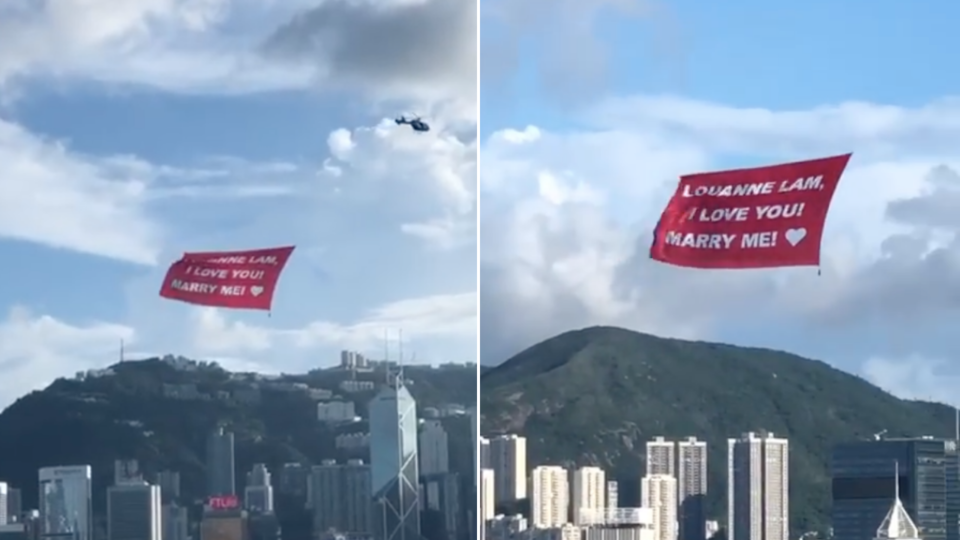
{"x": 169, "y": 482}
{"x": 133, "y": 511}
{"x": 220, "y": 464}
{"x": 14, "y": 505}
{"x": 483, "y": 446}
{"x": 863, "y": 486}
{"x": 508, "y": 459}
{"x": 393, "y": 463}
{"x": 174, "y": 521}
{"x": 434, "y": 449}
{"x": 549, "y": 497}
{"x": 659, "y": 493}
{"x": 341, "y": 497}
{"x": 758, "y": 497}
{"x": 258, "y": 495}
{"x": 487, "y": 509}
{"x": 692, "y": 488}
{"x": 661, "y": 457}
{"x": 66, "y": 511}
{"x": 589, "y": 485}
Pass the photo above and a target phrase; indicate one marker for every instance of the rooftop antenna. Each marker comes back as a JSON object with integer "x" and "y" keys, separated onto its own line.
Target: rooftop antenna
{"x": 386, "y": 353}
{"x": 121, "y": 350}
{"x": 896, "y": 480}
{"x": 400, "y": 363}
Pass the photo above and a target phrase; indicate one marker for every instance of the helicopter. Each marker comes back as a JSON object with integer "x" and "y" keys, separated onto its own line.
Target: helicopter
{"x": 416, "y": 123}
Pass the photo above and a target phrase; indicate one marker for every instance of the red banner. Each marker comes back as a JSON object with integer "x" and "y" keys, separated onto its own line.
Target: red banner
{"x": 227, "y": 279}
{"x": 749, "y": 218}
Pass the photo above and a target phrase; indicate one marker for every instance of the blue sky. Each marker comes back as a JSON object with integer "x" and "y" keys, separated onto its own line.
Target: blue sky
{"x": 749, "y": 53}
{"x": 588, "y": 120}
{"x": 128, "y": 136}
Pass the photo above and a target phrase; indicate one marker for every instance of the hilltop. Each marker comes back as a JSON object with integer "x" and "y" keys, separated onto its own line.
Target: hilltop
{"x": 594, "y": 396}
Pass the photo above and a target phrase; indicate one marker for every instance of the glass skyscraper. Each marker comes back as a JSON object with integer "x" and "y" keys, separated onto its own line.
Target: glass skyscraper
{"x": 393, "y": 464}
{"x": 863, "y": 486}
{"x": 221, "y": 478}
{"x": 66, "y": 512}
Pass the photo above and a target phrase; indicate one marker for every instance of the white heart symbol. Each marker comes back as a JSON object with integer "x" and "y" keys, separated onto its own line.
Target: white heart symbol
{"x": 794, "y": 236}
{"x": 256, "y": 290}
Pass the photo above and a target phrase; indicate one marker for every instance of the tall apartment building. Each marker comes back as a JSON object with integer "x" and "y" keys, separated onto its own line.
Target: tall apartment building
{"x": 508, "y": 459}
{"x": 661, "y": 457}
{"x": 221, "y": 476}
{"x": 692, "y": 488}
{"x": 589, "y": 485}
{"x": 258, "y": 494}
{"x": 434, "y": 449}
{"x": 549, "y": 497}
{"x": 133, "y": 511}
{"x": 340, "y": 497}
{"x": 487, "y": 499}
{"x": 758, "y": 498}
{"x": 484, "y": 448}
{"x": 659, "y": 493}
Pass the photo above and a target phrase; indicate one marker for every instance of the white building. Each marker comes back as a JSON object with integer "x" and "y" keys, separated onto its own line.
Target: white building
{"x": 549, "y": 497}
{"x": 758, "y": 497}
{"x": 434, "y": 449}
{"x": 659, "y": 493}
{"x": 258, "y": 494}
{"x": 692, "y": 488}
{"x": 613, "y": 494}
{"x": 589, "y": 485}
{"x": 508, "y": 459}
{"x": 336, "y": 411}
{"x": 4, "y": 493}
{"x": 623, "y": 524}
{"x": 487, "y": 499}
{"x": 661, "y": 457}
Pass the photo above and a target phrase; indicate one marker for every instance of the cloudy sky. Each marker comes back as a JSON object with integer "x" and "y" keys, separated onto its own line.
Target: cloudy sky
{"x": 133, "y": 131}
{"x": 587, "y": 124}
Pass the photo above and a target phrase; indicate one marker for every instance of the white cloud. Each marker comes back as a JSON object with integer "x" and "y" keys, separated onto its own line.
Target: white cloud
{"x": 552, "y": 261}
{"x": 179, "y": 45}
{"x": 423, "y": 51}
{"x": 104, "y": 206}
{"x": 56, "y": 197}
{"x": 419, "y": 318}
{"x": 426, "y": 181}
{"x": 915, "y": 377}
{"x": 36, "y": 349}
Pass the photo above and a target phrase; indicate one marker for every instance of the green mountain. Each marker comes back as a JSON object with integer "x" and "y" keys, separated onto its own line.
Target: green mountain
{"x": 595, "y": 396}
{"x": 160, "y": 411}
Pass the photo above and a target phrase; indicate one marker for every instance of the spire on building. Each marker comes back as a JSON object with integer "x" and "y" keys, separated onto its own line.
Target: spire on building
{"x": 897, "y": 525}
